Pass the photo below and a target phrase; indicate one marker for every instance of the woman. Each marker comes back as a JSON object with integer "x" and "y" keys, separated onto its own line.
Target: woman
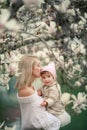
{"x": 34, "y": 117}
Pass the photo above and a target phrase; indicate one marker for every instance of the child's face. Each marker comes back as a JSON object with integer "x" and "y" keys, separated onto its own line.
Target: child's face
{"x": 47, "y": 78}
{"x": 37, "y": 69}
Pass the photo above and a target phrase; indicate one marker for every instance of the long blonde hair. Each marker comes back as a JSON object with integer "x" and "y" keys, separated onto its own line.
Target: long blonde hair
{"x": 25, "y": 68}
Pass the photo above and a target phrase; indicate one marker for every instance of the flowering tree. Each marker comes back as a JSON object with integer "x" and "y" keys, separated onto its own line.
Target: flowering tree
{"x": 54, "y": 30}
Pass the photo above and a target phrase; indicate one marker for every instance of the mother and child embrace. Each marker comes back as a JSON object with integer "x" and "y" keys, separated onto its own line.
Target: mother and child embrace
{"x": 41, "y": 109}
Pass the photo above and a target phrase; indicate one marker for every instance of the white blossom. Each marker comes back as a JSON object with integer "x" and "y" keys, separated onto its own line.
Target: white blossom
{"x": 1, "y": 125}
{"x": 70, "y": 61}
{"x": 45, "y": 50}
{"x": 77, "y": 46}
{"x": 4, "y": 78}
{"x": 77, "y": 83}
{"x": 1, "y": 1}
{"x": 61, "y": 59}
{"x": 28, "y": 3}
{"x": 56, "y": 52}
{"x": 64, "y": 5}
{"x": 6, "y": 67}
{"x": 46, "y": 60}
{"x": 77, "y": 67}
{"x": 82, "y": 79}
{"x": 77, "y": 110}
{"x": 65, "y": 98}
{"x": 15, "y": 56}
{"x": 71, "y": 12}
{"x": 2, "y": 57}
{"x": 84, "y": 62}
{"x": 44, "y": 55}
{"x": 74, "y": 26}
{"x": 39, "y": 54}
{"x": 79, "y": 102}
{"x": 13, "y": 67}
{"x": 86, "y": 87}
{"x": 5, "y": 14}
{"x": 24, "y": 35}
{"x": 68, "y": 64}
{"x": 13, "y": 25}
{"x": 83, "y": 106}
{"x": 10, "y": 128}
{"x": 10, "y": 24}
{"x": 83, "y": 19}
{"x": 85, "y": 15}
{"x": 73, "y": 45}
{"x": 52, "y": 28}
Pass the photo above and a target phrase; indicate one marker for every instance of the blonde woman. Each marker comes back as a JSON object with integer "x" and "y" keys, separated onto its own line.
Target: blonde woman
{"x": 33, "y": 116}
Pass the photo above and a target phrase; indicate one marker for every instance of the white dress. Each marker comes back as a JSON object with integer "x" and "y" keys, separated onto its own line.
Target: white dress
{"x": 35, "y": 117}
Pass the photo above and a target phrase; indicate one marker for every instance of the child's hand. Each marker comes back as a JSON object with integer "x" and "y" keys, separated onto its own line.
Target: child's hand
{"x": 39, "y": 92}
{"x": 44, "y": 104}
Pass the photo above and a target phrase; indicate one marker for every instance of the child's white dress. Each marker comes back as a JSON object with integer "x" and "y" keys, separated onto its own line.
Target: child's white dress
{"x": 35, "y": 117}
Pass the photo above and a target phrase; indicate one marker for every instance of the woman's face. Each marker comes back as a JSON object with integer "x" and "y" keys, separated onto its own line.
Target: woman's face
{"x": 36, "y": 69}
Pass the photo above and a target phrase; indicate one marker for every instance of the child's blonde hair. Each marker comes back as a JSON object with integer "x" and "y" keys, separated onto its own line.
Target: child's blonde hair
{"x": 25, "y": 68}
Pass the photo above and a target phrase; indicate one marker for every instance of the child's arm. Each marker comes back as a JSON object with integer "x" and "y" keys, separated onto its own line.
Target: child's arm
{"x": 51, "y": 98}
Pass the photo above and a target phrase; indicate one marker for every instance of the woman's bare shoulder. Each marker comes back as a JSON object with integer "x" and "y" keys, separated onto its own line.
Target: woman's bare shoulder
{"x": 26, "y": 91}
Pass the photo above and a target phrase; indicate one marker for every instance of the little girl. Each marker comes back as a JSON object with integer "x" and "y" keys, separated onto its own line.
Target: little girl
{"x": 51, "y": 92}
{"x": 33, "y": 116}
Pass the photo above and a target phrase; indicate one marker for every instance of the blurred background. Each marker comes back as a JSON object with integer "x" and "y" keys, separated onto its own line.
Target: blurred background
{"x": 53, "y": 30}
